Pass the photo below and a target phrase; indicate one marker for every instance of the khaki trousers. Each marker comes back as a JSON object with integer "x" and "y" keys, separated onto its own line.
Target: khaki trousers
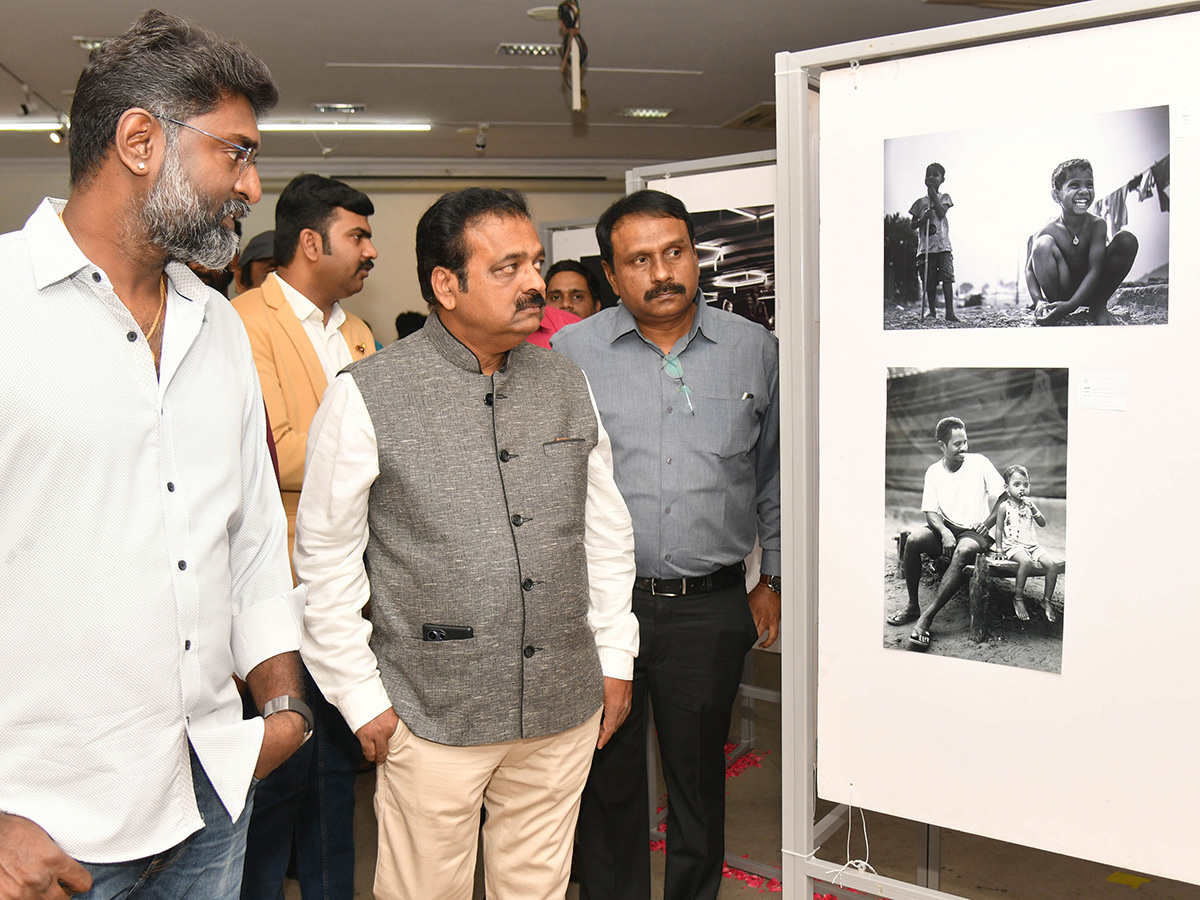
{"x": 427, "y": 802}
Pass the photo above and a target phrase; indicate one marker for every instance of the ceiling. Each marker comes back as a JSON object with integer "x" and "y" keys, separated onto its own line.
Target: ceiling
{"x": 711, "y": 61}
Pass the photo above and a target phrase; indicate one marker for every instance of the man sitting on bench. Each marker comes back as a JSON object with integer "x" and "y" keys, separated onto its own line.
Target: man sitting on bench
{"x": 958, "y": 501}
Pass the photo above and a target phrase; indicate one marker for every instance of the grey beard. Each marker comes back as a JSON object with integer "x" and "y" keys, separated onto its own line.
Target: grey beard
{"x": 178, "y": 222}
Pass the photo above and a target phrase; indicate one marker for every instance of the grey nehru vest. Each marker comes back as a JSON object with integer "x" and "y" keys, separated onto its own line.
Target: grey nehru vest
{"x": 477, "y": 519}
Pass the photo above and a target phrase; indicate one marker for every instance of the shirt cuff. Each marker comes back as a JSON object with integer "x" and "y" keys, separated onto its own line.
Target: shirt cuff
{"x": 616, "y": 663}
{"x": 267, "y": 628}
{"x": 365, "y": 703}
{"x": 772, "y": 562}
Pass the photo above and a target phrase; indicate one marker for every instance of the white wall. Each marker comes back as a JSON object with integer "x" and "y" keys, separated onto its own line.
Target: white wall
{"x": 22, "y": 191}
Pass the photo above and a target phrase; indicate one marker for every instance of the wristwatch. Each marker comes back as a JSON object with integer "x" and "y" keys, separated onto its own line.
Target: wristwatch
{"x": 774, "y": 582}
{"x": 291, "y": 704}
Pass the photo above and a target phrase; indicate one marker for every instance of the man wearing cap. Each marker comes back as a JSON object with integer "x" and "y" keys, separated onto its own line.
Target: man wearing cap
{"x": 255, "y": 262}
{"x": 301, "y": 337}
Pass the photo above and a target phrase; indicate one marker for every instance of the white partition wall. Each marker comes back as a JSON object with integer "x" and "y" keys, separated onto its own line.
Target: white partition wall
{"x": 1094, "y": 760}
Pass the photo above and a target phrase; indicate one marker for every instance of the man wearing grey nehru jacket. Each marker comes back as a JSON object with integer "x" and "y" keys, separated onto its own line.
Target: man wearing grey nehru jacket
{"x": 690, "y": 396}
{"x": 460, "y": 480}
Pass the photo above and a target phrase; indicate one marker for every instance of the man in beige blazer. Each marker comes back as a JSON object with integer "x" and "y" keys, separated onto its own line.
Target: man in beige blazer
{"x": 301, "y": 338}
{"x": 300, "y": 334}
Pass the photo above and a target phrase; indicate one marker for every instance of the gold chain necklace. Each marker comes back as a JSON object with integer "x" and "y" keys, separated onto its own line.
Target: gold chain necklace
{"x": 162, "y": 304}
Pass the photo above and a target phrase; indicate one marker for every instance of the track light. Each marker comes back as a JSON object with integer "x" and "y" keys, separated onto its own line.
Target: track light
{"x": 29, "y": 106}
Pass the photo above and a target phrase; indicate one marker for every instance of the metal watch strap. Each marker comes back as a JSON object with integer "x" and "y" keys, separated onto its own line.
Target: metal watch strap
{"x": 774, "y": 582}
{"x": 291, "y": 704}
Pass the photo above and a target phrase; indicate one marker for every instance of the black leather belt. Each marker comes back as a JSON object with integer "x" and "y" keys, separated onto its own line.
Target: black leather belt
{"x": 698, "y": 584}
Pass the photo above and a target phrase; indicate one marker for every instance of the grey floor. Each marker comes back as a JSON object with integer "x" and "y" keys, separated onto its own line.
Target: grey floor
{"x": 972, "y": 867}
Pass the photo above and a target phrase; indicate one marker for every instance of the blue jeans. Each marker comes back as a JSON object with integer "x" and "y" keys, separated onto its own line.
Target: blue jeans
{"x": 205, "y": 866}
{"x": 309, "y": 800}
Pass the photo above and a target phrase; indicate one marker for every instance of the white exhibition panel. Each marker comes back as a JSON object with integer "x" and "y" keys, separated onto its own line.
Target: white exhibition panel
{"x": 1097, "y": 762}
{"x": 726, "y": 189}
{"x": 573, "y": 243}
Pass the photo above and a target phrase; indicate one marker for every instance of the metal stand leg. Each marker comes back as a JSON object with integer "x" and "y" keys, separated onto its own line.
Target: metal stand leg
{"x": 929, "y": 865}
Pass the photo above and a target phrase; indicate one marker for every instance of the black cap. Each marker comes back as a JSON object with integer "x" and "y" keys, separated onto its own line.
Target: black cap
{"x": 261, "y": 246}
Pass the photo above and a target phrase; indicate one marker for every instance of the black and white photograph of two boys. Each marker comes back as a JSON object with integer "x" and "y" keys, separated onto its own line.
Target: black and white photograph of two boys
{"x": 1048, "y": 223}
{"x": 975, "y": 518}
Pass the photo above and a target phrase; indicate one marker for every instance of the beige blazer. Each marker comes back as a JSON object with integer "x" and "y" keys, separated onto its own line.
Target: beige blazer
{"x": 292, "y": 378}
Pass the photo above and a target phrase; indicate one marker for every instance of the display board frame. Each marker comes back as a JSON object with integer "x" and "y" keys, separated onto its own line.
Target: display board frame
{"x": 798, "y": 81}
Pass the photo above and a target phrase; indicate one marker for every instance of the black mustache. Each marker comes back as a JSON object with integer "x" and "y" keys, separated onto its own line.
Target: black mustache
{"x": 531, "y": 301}
{"x": 367, "y": 266}
{"x": 670, "y": 287}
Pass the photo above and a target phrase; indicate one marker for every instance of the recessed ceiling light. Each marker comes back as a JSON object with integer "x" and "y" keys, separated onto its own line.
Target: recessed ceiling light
{"x": 344, "y": 126}
{"x": 644, "y": 112}
{"x": 528, "y": 50}
{"x": 347, "y": 108}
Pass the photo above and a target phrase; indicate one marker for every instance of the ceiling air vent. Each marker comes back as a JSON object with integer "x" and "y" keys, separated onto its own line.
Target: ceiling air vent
{"x": 757, "y": 118}
{"x": 528, "y": 50}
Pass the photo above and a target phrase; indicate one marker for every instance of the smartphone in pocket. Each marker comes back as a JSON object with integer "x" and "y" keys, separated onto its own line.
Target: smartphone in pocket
{"x": 438, "y": 633}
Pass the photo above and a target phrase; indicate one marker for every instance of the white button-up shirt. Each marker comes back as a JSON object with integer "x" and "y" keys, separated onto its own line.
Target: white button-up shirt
{"x": 327, "y": 340}
{"x": 143, "y": 554}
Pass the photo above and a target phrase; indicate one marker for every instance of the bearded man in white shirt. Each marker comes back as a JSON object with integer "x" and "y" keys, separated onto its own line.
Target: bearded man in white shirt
{"x": 143, "y": 540}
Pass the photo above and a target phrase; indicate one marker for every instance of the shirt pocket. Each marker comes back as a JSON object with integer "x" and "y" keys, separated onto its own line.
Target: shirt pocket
{"x": 729, "y": 426}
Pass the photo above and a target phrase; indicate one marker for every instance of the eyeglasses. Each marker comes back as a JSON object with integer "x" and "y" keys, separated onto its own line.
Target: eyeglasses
{"x": 674, "y": 369}
{"x": 245, "y": 156}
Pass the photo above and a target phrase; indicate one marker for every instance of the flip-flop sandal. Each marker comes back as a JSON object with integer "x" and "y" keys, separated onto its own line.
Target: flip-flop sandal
{"x": 903, "y": 617}
{"x": 919, "y": 640}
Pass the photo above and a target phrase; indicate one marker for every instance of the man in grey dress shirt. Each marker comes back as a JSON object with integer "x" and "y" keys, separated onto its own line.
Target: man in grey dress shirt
{"x": 690, "y": 397}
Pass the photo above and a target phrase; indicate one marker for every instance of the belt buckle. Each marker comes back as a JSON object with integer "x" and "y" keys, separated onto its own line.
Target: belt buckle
{"x": 655, "y": 592}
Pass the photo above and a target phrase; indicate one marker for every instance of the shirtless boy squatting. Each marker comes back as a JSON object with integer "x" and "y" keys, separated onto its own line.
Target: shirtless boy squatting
{"x": 1072, "y": 265}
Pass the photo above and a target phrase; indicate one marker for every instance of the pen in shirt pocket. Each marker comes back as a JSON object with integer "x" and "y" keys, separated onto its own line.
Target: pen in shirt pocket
{"x": 747, "y": 396}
